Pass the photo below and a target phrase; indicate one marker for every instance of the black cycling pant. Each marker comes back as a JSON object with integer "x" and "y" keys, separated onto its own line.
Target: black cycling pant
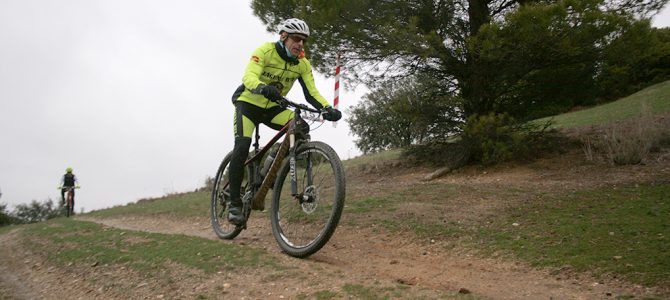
{"x": 247, "y": 118}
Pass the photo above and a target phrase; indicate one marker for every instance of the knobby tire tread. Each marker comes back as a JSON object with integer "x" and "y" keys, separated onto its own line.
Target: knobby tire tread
{"x": 336, "y": 213}
{"x": 221, "y": 232}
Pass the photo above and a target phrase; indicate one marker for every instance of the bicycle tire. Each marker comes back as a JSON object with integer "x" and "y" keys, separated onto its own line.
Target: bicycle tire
{"x": 69, "y": 209}
{"x": 302, "y": 230}
{"x": 219, "y": 205}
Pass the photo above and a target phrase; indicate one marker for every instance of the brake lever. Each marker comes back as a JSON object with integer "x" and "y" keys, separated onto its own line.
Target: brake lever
{"x": 283, "y": 103}
{"x": 312, "y": 116}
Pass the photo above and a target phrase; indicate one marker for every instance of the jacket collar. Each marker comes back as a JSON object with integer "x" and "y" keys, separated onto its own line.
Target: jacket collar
{"x": 282, "y": 53}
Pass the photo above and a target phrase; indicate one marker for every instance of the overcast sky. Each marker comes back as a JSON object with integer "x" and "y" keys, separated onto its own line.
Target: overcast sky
{"x": 134, "y": 95}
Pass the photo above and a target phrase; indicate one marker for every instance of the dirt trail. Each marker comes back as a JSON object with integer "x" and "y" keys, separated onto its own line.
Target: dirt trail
{"x": 374, "y": 255}
{"x": 367, "y": 255}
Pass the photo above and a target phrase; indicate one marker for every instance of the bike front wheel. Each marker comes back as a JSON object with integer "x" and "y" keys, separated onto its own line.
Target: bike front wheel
{"x": 303, "y": 224}
{"x": 220, "y": 201}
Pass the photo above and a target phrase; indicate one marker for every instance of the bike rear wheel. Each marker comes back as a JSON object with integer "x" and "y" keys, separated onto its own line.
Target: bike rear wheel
{"x": 302, "y": 229}
{"x": 220, "y": 201}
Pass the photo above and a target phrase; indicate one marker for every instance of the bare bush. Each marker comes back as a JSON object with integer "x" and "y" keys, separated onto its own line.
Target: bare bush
{"x": 631, "y": 142}
{"x": 589, "y": 148}
{"x": 209, "y": 184}
{"x": 626, "y": 146}
{"x": 37, "y": 211}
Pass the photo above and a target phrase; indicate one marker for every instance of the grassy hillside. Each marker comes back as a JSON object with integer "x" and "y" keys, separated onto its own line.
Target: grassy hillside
{"x": 655, "y": 99}
{"x": 175, "y": 206}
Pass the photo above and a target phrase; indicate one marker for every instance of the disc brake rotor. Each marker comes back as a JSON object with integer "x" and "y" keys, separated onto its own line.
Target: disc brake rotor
{"x": 310, "y": 197}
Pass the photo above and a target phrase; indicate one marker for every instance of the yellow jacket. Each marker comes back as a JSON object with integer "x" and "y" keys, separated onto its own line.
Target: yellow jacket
{"x": 269, "y": 65}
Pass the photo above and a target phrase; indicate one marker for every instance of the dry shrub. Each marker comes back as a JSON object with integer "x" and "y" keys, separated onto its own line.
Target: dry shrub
{"x": 589, "y": 148}
{"x": 209, "y": 184}
{"x": 631, "y": 142}
{"x": 627, "y": 146}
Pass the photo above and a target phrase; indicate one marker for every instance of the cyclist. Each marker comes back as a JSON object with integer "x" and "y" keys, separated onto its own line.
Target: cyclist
{"x": 69, "y": 180}
{"x": 271, "y": 72}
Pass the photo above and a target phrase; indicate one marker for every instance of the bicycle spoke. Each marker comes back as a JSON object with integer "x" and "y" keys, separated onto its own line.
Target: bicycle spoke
{"x": 302, "y": 226}
{"x": 219, "y": 205}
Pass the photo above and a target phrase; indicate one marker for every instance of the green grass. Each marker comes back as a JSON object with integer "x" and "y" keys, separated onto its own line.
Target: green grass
{"x": 370, "y": 204}
{"x": 616, "y": 230}
{"x": 624, "y": 231}
{"x": 656, "y": 98}
{"x": 372, "y": 159}
{"x": 358, "y": 291}
{"x": 399, "y": 291}
{"x": 66, "y": 241}
{"x": 6, "y": 229}
{"x": 194, "y": 204}
{"x": 321, "y": 295}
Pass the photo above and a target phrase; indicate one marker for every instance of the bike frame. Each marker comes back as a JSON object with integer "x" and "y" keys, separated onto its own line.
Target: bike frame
{"x": 260, "y": 186}
{"x": 255, "y": 160}
{"x": 68, "y": 194}
{"x": 69, "y": 199}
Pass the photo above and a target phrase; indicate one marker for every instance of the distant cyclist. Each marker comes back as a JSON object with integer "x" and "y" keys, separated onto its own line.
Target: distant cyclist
{"x": 270, "y": 74}
{"x": 69, "y": 180}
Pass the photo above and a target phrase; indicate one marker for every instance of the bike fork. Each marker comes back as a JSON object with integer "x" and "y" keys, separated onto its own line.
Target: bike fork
{"x": 291, "y": 161}
{"x": 293, "y": 173}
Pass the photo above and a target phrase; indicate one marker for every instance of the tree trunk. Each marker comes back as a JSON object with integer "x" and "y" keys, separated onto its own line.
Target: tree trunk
{"x": 475, "y": 83}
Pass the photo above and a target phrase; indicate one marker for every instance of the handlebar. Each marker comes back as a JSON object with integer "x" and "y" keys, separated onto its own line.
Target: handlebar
{"x": 286, "y": 103}
{"x": 69, "y": 187}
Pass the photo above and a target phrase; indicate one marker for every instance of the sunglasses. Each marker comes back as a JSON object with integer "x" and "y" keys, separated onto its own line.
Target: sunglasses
{"x": 298, "y": 38}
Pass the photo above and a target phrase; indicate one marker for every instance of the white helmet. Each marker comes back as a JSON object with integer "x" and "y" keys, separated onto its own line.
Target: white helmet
{"x": 294, "y": 26}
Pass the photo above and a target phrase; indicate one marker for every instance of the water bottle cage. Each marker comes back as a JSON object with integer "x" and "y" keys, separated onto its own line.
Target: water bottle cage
{"x": 268, "y": 163}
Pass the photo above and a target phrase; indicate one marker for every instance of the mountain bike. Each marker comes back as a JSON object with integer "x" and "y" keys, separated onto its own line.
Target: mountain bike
{"x": 69, "y": 200}
{"x": 308, "y": 188}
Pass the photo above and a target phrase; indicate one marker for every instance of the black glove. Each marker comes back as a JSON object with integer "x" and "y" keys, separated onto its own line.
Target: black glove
{"x": 331, "y": 114}
{"x": 270, "y": 92}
